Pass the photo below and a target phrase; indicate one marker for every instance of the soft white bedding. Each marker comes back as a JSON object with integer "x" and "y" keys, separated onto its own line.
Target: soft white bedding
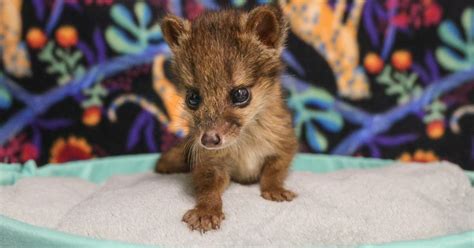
{"x": 398, "y": 202}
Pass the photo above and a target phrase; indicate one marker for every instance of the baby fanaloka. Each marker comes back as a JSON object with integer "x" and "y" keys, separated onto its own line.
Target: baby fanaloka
{"x": 228, "y": 67}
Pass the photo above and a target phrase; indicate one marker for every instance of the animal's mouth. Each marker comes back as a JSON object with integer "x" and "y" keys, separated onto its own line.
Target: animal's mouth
{"x": 212, "y": 148}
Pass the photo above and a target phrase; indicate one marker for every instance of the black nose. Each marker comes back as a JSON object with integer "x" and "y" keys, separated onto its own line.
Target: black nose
{"x": 210, "y": 139}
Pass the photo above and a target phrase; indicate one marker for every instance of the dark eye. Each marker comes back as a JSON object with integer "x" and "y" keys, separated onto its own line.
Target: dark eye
{"x": 240, "y": 96}
{"x": 193, "y": 99}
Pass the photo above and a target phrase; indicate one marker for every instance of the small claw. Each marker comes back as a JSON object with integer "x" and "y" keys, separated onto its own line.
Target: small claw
{"x": 278, "y": 195}
{"x": 202, "y": 220}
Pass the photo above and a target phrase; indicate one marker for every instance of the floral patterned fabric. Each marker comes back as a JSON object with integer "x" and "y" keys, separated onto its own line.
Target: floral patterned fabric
{"x": 90, "y": 78}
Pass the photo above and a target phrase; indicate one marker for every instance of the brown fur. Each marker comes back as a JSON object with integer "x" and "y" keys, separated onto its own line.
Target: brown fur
{"x": 215, "y": 54}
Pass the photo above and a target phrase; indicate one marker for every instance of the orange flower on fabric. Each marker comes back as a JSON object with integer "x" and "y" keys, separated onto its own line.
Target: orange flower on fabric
{"x": 402, "y": 60}
{"x": 35, "y": 38}
{"x": 70, "y": 150}
{"x": 419, "y": 156}
{"x": 66, "y": 36}
{"x": 373, "y": 63}
{"x": 435, "y": 129}
{"x": 91, "y": 116}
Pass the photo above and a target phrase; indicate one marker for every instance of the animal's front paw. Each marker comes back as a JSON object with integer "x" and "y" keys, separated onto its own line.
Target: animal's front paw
{"x": 203, "y": 220}
{"x": 165, "y": 166}
{"x": 278, "y": 195}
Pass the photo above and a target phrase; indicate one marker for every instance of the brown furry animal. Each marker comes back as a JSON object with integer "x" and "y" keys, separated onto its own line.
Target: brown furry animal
{"x": 228, "y": 66}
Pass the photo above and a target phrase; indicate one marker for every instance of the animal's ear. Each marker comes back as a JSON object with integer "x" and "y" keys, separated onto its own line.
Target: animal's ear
{"x": 174, "y": 29}
{"x": 269, "y": 25}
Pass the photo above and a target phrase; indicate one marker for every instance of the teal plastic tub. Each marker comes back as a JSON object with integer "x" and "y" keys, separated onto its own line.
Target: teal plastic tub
{"x": 14, "y": 233}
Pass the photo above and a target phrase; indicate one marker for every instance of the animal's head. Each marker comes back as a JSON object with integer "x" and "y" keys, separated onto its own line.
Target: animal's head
{"x": 227, "y": 65}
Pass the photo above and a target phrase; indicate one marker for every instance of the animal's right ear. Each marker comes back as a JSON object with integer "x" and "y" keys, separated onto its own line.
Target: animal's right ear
{"x": 174, "y": 30}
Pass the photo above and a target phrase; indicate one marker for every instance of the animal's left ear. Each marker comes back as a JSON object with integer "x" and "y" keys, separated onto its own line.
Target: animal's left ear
{"x": 269, "y": 25}
{"x": 174, "y": 29}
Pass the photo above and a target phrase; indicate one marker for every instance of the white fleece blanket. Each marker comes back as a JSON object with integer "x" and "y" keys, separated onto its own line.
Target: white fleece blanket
{"x": 398, "y": 202}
